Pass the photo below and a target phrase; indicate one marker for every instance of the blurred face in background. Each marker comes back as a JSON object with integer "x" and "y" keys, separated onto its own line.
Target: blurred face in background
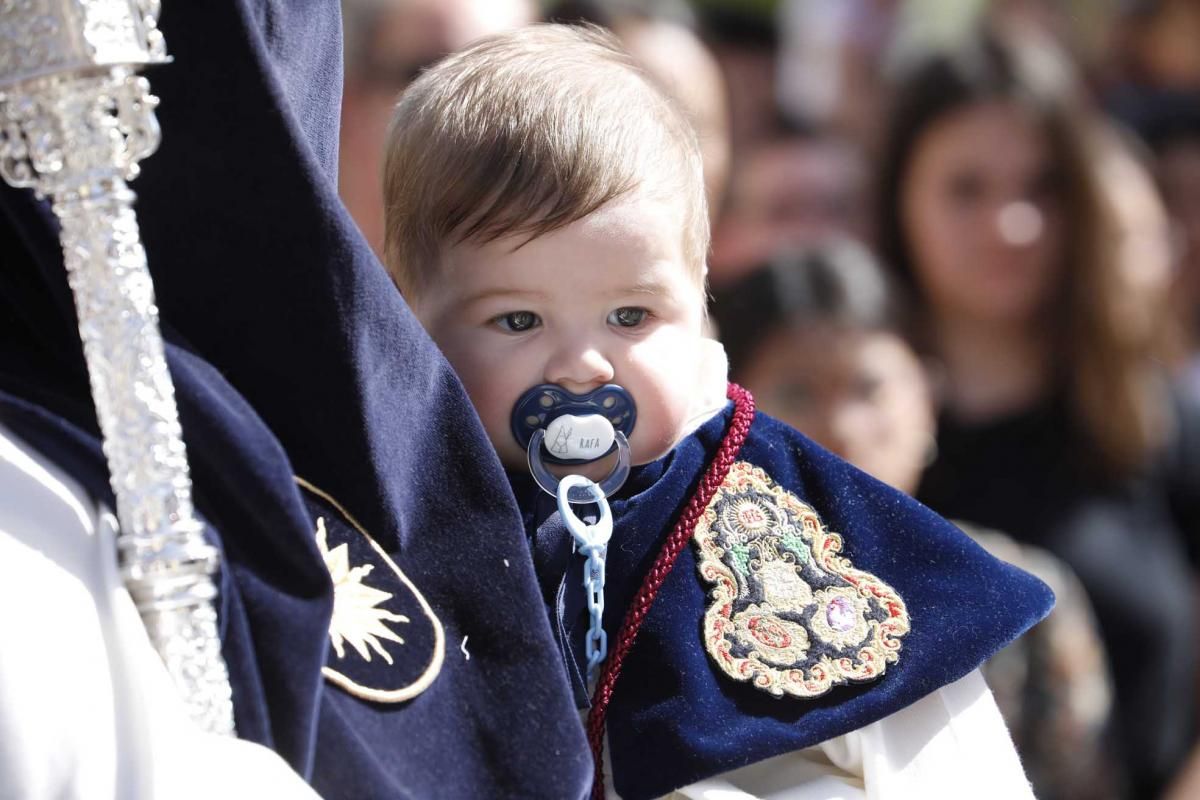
{"x": 1162, "y": 43}
{"x": 863, "y": 394}
{"x": 981, "y": 210}
{"x": 785, "y": 196}
{"x": 387, "y": 46}
{"x": 686, "y": 69}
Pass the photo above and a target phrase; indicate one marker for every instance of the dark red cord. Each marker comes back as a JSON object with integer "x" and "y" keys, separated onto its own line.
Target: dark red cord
{"x": 739, "y": 427}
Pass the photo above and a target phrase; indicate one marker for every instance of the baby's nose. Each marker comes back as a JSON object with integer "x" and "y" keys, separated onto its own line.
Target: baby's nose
{"x": 579, "y": 369}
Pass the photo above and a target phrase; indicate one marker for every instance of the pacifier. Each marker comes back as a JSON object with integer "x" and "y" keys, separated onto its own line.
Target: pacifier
{"x": 560, "y": 427}
{"x": 556, "y": 426}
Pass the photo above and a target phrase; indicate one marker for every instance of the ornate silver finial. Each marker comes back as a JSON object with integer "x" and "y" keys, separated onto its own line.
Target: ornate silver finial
{"x": 75, "y": 120}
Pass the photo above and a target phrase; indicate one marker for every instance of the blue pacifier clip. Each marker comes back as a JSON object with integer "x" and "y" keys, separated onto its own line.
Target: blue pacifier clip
{"x": 560, "y": 427}
{"x": 591, "y": 541}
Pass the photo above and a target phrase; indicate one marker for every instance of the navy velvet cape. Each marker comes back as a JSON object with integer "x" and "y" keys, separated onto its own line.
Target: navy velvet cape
{"x": 293, "y": 355}
{"x": 675, "y": 718}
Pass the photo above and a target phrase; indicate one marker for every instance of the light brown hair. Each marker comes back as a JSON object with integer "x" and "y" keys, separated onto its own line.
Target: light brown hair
{"x": 525, "y": 133}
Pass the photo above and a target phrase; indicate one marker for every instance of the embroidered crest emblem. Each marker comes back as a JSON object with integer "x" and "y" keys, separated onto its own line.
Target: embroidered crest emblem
{"x": 788, "y": 613}
{"x": 357, "y": 617}
{"x": 386, "y": 644}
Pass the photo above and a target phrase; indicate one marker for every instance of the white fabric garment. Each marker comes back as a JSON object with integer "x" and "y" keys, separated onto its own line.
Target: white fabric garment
{"x": 86, "y": 707}
{"x": 949, "y": 745}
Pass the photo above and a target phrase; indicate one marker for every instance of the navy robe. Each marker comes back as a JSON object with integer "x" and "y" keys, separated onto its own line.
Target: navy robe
{"x": 293, "y": 355}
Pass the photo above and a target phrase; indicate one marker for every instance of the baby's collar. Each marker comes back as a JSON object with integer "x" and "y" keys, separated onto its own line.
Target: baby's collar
{"x": 712, "y": 382}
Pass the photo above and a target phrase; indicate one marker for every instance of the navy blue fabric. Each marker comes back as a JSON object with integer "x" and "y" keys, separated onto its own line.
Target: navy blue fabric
{"x": 292, "y": 354}
{"x": 675, "y": 718}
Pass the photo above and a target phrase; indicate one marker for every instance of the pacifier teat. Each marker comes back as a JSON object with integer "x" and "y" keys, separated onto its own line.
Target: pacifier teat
{"x": 556, "y": 426}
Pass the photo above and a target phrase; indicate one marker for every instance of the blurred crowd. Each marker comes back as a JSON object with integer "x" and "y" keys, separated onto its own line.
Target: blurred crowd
{"x": 957, "y": 242}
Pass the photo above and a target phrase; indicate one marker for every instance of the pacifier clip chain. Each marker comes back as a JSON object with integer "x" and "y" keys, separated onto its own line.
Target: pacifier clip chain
{"x": 591, "y": 541}
{"x": 566, "y": 429}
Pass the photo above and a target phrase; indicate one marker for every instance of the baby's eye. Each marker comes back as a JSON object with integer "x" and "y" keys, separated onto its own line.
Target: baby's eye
{"x": 518, "y": 321}
{"x": 627, "y": 317}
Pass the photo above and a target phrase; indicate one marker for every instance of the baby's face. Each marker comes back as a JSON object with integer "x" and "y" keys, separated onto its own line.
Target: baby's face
{"x": 607, "y": 299}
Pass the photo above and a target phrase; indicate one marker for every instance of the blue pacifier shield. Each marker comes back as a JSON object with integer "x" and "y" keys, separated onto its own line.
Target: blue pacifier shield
{"x": 546, "y": 402}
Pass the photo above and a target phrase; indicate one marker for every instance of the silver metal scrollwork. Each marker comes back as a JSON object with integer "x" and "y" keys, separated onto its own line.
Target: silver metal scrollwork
{"x": 75, "y": 120}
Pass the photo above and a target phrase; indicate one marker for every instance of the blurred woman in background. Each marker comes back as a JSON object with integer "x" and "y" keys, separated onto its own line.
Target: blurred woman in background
{"x": 1057, "y": 422}
{"x": 832, "y": 361}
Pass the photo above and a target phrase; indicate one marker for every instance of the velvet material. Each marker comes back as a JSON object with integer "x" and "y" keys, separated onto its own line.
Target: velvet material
{"x": 292, "y": 354}
{"x": 675, "y": 718}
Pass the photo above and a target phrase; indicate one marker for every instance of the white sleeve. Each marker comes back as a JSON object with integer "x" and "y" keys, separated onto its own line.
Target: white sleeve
{"x": 951, "y": 744}
{"x": 86, "y": 707}
{"x": 946, "y": 746}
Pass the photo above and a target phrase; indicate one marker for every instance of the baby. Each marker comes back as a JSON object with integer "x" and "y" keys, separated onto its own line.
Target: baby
{"x": 546, "y": 221}
{"x": 549, "y": 225}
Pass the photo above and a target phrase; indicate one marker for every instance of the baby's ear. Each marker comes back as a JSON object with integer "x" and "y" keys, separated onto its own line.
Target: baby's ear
{"x": 712, "y": 380}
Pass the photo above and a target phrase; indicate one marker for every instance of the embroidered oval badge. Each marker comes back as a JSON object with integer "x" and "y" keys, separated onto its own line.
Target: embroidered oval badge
{"x": 385, "y": 643}
{"x": 788, "y": 613}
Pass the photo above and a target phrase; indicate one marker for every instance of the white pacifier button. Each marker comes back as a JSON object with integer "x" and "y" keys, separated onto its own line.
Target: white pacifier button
{"x": 583, "y": 438}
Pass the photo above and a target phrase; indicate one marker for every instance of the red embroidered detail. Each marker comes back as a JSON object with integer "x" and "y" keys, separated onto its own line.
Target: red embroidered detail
{"x": 731, "y": 445}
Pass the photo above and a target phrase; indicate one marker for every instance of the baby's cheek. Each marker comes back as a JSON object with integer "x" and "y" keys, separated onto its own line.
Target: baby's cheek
{"x": 657, "y": 436}
{"x": 670, "y": 377}
{"x": 489, "y": 394}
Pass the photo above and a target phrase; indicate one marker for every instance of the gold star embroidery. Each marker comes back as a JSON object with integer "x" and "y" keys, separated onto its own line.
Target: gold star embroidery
{"x": 356, "y": 616}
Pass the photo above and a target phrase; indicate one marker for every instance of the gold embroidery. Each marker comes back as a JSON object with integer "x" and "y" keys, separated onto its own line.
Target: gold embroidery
{"x": 787, "y": 612}
{"x": 357, "y": 619}
{"x": 356, "y": 615}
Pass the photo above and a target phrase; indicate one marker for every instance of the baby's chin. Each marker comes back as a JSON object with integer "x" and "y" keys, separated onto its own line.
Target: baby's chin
{"x": 593, "y": 471}
{"x": 646, "y": 448}
{"x": 515, "y": 459}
